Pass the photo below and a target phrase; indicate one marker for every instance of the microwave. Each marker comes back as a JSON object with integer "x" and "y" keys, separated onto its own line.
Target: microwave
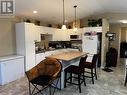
{"x": 75, "y": 37}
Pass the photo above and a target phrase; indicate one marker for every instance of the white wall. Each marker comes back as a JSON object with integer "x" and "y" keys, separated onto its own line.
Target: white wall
{"x": 7, "y": 37}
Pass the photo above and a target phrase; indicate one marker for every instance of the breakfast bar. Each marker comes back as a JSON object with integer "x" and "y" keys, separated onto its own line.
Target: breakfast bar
{"x": 67, "y": 59}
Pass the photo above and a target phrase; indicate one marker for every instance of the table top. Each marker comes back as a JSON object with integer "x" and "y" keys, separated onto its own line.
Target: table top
{"x": 67, "y": 56}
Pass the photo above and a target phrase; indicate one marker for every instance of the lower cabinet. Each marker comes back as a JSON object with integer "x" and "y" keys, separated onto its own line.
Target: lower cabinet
{"x": 39, "y": 57}
{"x": 11, "y": 68}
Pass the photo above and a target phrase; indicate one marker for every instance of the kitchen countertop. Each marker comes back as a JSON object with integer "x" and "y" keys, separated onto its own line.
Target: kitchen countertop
{"x": 67, "y": 56}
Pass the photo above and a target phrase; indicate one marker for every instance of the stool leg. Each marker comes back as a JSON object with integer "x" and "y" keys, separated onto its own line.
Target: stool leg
{"x": 65, "y": 79}
{"x": 92, "y": 76}
{"x": 79, "y": 84}
{"x": 84, "y": 79}
{"x": 70, "y": 77}
{"x": 95, "y": 73}
{"x": 125, "y": 80}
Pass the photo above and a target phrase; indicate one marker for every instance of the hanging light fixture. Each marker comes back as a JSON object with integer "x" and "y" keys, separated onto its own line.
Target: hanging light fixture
{"x": 63, "y": 26}
{"x": 75, "y": 26}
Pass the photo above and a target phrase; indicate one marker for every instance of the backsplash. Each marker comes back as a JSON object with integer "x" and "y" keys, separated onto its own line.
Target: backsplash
{"x": 46, "y": 45}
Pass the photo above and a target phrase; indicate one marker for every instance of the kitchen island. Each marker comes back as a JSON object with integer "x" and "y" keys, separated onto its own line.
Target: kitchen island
{"x": 67, "y": 59}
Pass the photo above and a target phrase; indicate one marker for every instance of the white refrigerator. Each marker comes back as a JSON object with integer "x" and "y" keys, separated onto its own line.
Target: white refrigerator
{"x": 91, "y": 41}
{"x": 89, "y": 44}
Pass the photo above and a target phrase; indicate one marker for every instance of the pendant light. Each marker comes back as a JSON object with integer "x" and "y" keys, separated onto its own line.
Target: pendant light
{"x": 63, "y": 26}
{"x": 75, "y": 26}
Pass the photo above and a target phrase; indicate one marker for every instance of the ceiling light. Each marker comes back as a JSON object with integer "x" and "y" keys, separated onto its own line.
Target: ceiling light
{"x": 63, "y": 26}
{"x": 123, "y": 21}
{"x": 34, "y": 12}
{"x": 75, "y": 26}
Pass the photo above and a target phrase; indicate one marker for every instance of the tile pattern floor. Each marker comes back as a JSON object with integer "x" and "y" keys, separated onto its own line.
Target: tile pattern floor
{"x": 107, "y": 84}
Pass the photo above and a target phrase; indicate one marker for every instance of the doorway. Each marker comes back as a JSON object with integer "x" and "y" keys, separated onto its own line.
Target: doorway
{"x": 99, "y": 43}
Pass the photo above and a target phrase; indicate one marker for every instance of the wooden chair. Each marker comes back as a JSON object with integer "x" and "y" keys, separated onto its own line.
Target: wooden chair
{"x": 78, "y": 70}
{"x": 44, "y": 75}
{"x": 92, "y": 66}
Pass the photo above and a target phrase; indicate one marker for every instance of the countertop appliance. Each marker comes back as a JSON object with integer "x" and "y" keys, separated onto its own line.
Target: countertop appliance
{"x": 75, "y": 37}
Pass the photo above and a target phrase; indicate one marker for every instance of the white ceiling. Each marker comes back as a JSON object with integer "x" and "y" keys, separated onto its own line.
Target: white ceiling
{"x": 50, "y": 11}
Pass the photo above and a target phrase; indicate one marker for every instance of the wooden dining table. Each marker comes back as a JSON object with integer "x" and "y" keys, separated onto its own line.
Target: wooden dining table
{"x": 67, "y": 59}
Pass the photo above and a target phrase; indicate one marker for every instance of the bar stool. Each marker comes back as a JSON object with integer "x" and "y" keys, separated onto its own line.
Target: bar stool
{"x": 92, "y": 66}
{"x": 78, "y": 70}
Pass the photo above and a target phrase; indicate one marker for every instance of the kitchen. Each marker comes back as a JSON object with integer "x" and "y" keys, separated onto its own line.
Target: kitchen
{"x": 44, "y": 42}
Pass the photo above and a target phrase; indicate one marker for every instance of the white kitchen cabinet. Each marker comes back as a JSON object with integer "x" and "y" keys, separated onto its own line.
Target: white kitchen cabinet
{"x": 37, "y": 33}
{"x": 97, "y": 29}
{"x": 47, "y": 30}
{"x": 11, "y": 68}
{"x": 60, "y": 35}
{"x": 57, "y": 35}
{"x": 25, "y": 45}
{"x": 78, "y": 33}
{"x": 40, "y": 57}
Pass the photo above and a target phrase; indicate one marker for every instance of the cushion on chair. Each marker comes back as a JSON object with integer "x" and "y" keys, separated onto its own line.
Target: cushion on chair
{"x": 73, "y": 69}
{"x": 41, "y": 80}
{"x": 88, "y": 65}
{"x": 49, "y": 67}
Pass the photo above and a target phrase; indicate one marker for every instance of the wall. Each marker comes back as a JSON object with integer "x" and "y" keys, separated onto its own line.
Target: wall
{"x": 7, "y": 37}
{"x": 115, "y": 28}
{"x": 124, "y": 34}
{"x": 104, "y": 49}
{"x": 120, "y": 30}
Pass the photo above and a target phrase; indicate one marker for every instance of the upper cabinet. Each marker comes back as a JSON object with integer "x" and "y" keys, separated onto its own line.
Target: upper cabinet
{"x": 37, "y": 33}
{"x": 47, "y": 30}
{"x": 78, "y": 32}
{"x": 60, "y": 35}
{"x": 32, "y": 32}
{"x": 29, "y": 31}
{"x": 88, "y": 29}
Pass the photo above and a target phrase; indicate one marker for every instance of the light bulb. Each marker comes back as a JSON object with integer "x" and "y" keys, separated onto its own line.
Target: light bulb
{"x": 75, "y": 29}
{"x": 64, "y": 27}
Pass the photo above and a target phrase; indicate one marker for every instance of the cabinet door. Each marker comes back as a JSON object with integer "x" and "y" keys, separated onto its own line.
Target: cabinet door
{"x": 60, "y": 35}
{"x": 57, "y": 35}
{"x": 11, "y": 70}
{"x": 37, "y": 33}
{"x": 65, "y": 36}
{"x": 29, "y": 32}
{"x": 39, "y": 57}
{"x": 47, "y": 30}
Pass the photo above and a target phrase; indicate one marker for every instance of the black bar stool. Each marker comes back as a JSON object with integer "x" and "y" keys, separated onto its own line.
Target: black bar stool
{"x": 78, "y": 70}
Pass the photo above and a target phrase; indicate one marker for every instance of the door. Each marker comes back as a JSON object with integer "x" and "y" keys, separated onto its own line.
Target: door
{"x": 99, "y": 43}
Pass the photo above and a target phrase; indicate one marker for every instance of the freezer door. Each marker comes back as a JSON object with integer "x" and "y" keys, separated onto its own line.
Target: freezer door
{"x": 89, "y": 44}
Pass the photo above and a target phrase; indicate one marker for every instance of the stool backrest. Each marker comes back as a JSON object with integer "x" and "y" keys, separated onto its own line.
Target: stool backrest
{"x": 82, "y": 61}
{"x": 94, "y": 60}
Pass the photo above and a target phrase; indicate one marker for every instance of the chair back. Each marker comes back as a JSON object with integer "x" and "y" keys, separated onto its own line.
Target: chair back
{"x": 32, "y": 73}
{"x": 50, "y": 66}
{"x": 82, "y": 62}
{"x": 94, "y": 60}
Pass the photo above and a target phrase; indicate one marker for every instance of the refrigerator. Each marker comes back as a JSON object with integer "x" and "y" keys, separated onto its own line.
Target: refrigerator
{"x": 91, "y": 42}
